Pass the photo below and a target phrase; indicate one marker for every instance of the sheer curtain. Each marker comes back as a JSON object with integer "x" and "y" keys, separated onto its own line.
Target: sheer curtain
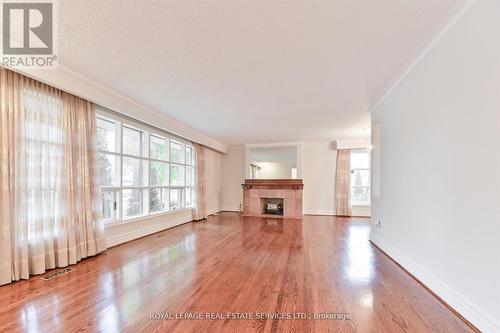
{"x": 343, "y": 183}
{"x": 49, "y": 192}
{"x": 200, "y": 211}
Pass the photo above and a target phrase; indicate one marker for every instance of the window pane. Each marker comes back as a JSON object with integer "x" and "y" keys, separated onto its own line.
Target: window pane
{"x": 132, "y": 141}
{"x": 158, "y": 200}
{"x": 108, "y": 173}
{"x": 176, "y": 175}
{"x": 360, "y": 160}
{"x": 134, "y": 172}
{"x": 189, "y": 176}
{"x": 158, "y": 148}
{"x": 149, "y": 174}
{"x": 360, "y": 178}
{"x": 108, "y": 205}
{"x": 132, "y": 203}
{"x": 189, "y": 197}
{"x": 175, "y": 199}
{"x": 106, "y": 138}
{"x": 360, "y": 195}
{"x": 176, "y": 152}
{"x": 189, "y": 155}
{"x": 158, "y": 174}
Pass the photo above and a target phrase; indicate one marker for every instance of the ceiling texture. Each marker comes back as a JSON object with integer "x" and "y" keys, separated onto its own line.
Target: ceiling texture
{"x": 250, "y": 71}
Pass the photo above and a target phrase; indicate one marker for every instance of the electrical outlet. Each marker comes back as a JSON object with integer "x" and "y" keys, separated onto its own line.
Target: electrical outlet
{"x": 379, "y": 224}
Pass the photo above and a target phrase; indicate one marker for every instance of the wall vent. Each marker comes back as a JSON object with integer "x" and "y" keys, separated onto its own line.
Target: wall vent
{"x": 56, "y": 274}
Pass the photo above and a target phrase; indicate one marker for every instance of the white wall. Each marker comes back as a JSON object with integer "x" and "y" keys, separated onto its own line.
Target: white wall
{"x": 213, "y": 173}
{"x": 233, "y": 171}
{"x": 319, "y": 163}
{"x": 439, "y": 189}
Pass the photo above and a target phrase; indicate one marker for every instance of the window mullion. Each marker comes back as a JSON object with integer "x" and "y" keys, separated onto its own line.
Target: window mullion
{"x": 146, "y": 159}
{"x": 119, "y": 142}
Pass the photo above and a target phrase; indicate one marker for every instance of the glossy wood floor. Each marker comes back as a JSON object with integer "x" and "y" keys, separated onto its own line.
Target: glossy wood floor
{"x": 233, "y": 264}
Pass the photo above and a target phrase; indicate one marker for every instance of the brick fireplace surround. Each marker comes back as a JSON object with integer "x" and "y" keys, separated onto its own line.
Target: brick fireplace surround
{"x": 290, "y": 190}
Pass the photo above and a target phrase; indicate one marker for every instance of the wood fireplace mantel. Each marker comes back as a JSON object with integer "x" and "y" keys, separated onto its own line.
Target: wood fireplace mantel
{"x": 256, "y": 191}
{"x": 295, "y": 184}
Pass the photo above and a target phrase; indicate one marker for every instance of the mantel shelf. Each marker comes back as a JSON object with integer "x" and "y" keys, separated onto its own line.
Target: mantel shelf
{"x": 295, "y": 184}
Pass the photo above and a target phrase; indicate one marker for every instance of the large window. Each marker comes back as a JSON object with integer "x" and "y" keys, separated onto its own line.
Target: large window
{"x": 360, "y": 177}
{"x": 142, "y": 171}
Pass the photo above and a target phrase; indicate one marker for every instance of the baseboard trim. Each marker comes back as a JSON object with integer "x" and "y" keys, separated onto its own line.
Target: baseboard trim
{"x": 213, "y": 211}
{"x": 325, "y": 212}
{"x": 332, "y": 213}
{"x": 146, "y": 231}
{"x": 230, "y": 209}
{"x": 470, "y": 313}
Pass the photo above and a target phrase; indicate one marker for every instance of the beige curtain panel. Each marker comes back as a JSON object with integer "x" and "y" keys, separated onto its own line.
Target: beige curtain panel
{"x": 49, "y": 199}
{"x": 200, "y": 210}
{"x": 343, "y": 183}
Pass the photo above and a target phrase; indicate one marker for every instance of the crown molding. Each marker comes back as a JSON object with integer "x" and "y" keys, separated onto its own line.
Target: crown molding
{"x": 440, "y": 30}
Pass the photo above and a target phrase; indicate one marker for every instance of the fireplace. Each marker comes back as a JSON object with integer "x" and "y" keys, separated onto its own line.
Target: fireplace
{"x": 273, "y": 198}
{"x": 271, "y": 206}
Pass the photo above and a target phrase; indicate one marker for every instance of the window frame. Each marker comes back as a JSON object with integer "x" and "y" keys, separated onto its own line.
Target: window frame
{"x": 147, "y": 132}
{"x": 353, "y": 170}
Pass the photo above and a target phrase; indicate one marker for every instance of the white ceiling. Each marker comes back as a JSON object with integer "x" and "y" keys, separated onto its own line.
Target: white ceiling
{"x": 249, "y": 71}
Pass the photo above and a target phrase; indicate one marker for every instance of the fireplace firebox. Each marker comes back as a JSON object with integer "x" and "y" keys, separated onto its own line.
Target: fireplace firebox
{"x": 272, "y": 206}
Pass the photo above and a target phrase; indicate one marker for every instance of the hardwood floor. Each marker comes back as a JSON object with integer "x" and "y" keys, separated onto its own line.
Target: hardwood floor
{"x": 252, "y": 266}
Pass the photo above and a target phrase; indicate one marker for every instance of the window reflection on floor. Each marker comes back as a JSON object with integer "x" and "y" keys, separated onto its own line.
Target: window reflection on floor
{"x": 360, "y": 263}
{"x": 29, "y": 316}
{"x": 367, "y": 299}
{"x": 109, "y": 320}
